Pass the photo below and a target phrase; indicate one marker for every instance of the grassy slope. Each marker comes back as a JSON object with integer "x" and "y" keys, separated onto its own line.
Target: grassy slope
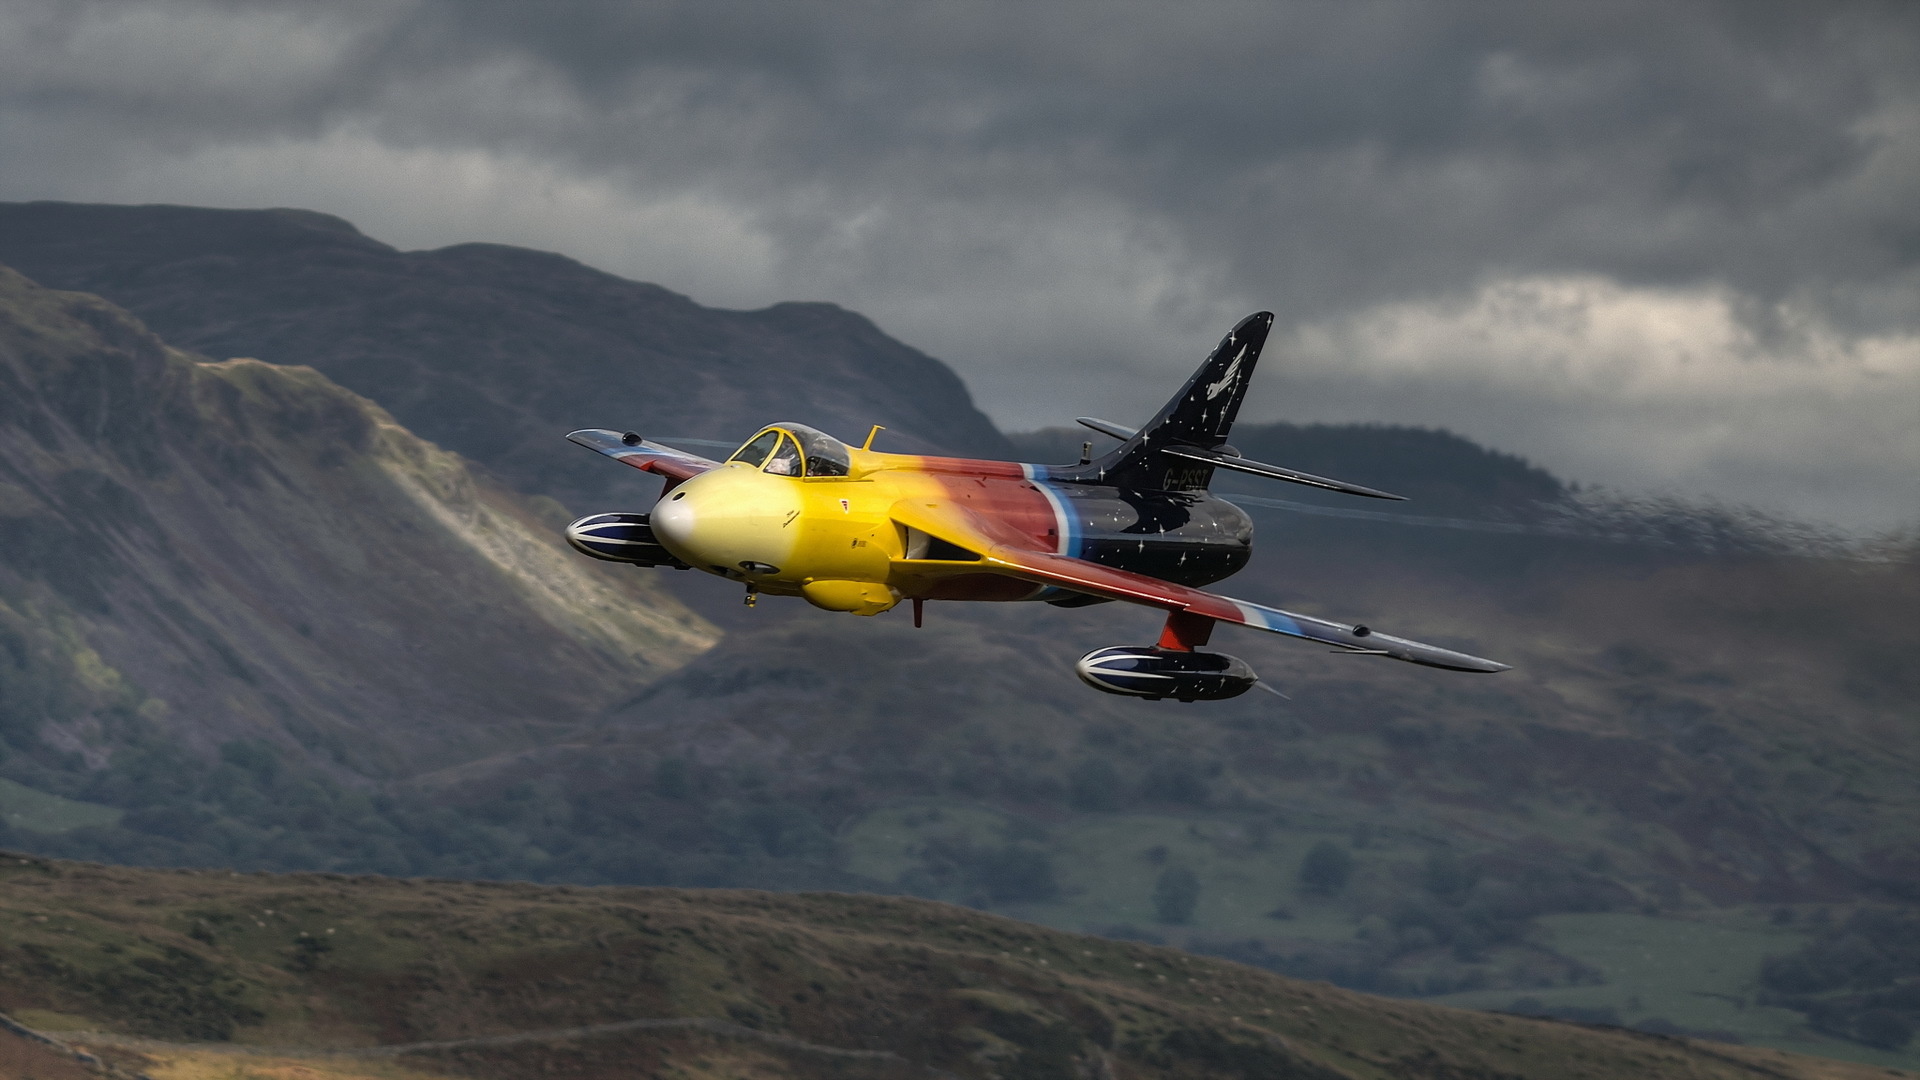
{"x": 22, "y": 807}
{"x": 1689, "y": 741}
{"x": 297, "y": 964}
{"x": 236, "y": 550}
{"x": 1696, "y": 968}
{"x": 1707, "y": 733}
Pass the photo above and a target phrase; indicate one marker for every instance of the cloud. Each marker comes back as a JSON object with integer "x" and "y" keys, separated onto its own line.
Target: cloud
{"x": 1069, "y": 202}
{"x": 1668, "y": 390}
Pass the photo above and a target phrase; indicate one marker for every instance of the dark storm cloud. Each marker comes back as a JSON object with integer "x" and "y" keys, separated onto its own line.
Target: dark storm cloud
{"x": 1652, "y": 141}
{"x": 1068, "y": 201}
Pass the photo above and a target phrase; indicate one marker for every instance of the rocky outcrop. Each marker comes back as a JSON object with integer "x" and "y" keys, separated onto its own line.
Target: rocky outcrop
{"x": 230, "y": 550}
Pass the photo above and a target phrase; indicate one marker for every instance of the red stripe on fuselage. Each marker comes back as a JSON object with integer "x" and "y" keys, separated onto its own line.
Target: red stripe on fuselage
{"x": 998, "y": 492}
{"x": 967, "y": 467}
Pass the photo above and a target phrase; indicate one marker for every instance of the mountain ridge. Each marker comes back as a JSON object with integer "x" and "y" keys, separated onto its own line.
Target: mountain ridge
{"x": 186, "y": 515}
{"x": 489, "y": 350}
{"x": 1696, "y": 740}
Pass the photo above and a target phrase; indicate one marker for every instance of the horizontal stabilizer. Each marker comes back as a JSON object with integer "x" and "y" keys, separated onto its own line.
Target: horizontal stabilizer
{"x": 1105, "y": 427}
{"x": 1273, "y": 472}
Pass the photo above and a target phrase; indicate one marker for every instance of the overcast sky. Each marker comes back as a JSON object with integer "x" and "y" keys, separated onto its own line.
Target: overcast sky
{"x": 1662, "y": 246}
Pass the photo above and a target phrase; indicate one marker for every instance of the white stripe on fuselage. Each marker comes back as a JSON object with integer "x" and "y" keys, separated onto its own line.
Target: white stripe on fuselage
{"x": 1062, "y": 527}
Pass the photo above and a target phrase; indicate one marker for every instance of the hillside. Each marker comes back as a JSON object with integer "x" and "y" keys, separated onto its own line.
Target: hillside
{"x": 1683, "y": 810}
{"x": 493, "y": 352}
{"x": 1697, "y": 746}
{"x": 1676, "y": 763}
{"x": 184, "y": 975}
{"x": 199, "y": 554}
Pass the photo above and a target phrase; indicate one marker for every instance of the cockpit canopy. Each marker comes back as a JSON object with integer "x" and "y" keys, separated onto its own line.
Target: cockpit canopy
{"x": 795, "y": 450}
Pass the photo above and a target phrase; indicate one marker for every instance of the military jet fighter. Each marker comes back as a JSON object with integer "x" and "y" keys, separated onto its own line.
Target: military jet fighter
{"x": 796, "y": 512}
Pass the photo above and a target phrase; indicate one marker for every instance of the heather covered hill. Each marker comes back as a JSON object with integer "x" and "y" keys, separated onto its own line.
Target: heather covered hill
{"x": 194, "y": 554}
{"x": 1697, "y": 755}
{"x": 202, "y": 974}
{"x": 494, "y": 352}
{"x": 1705, "y": 750}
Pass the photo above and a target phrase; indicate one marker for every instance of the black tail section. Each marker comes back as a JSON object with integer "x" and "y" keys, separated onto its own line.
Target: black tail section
{"x": 1200, "y": 416}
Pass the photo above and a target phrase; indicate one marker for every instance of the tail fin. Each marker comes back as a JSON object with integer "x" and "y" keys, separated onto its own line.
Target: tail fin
{"x": 1199, "y": 416}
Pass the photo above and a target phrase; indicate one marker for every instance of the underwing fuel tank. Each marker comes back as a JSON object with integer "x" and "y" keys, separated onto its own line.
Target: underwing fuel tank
{"x": 626, "y": 538}
{"x": 1155, "y": 673}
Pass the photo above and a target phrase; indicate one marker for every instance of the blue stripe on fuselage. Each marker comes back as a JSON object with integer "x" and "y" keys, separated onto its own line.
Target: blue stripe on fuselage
{"x": 1068, "y": 542}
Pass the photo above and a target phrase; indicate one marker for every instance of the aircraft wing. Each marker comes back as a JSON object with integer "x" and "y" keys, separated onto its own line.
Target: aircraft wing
{"x": 675, "y": 465}
{"x": 1080, "y": 575}
{"x": 1003, "y": 556}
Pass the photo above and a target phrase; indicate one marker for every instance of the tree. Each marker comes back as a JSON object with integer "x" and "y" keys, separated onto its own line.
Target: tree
{"x": 1325, "y": 870}
{"x": 1175, "y": 894}
{"x": 1013, "y": 873}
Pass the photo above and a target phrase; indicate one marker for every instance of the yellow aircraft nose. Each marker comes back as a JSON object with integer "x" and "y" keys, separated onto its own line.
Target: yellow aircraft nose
{"x": 733, "y": 520}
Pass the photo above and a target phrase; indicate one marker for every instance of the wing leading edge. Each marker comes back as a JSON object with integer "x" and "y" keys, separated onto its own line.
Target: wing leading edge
{"x": 1079, "y": 575}
{"x": 1082, "y": 576}
{"x": 675, "y": 465}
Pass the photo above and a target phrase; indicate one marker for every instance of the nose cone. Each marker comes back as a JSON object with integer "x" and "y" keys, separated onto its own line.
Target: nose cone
{"x": 731, "y": 520}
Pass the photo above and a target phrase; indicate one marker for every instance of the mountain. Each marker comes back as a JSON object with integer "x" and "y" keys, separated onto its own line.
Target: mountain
{"x": 490, "y": 351}
{"x": 189, "y": 973}
{"x": 1699, "y": 769}
{"x": 195, "y": 554}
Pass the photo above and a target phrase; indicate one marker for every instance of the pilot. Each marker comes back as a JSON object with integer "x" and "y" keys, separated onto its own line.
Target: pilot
{"x": 786, "y": 460}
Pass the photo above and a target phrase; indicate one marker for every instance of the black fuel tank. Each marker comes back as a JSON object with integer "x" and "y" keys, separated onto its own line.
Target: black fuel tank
{"x": 624, "y": 538}
{"x": 1154, "y": 673}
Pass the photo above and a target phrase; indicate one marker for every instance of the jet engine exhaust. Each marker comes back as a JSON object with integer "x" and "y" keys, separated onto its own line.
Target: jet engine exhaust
{"x": 1154, "y": 673}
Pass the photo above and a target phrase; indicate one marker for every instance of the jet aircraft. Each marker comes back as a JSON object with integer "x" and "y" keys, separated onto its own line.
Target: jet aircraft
{"x": 796, "y": 512}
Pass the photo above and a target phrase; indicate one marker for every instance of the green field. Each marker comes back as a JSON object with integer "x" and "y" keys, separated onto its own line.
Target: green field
{"x": 1697, "y": 971}
{"x": 22, "y": 807}
{"x": 1701, "y": 974}
{"x": 1106, "y": 866}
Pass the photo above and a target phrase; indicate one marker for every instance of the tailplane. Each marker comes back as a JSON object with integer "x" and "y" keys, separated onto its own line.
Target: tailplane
{"x": 1183, "y": 444}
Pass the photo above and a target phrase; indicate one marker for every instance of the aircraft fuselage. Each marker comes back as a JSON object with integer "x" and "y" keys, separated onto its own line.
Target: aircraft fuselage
{"x": 785, "y": 534}
{"x": 798, "y": 512}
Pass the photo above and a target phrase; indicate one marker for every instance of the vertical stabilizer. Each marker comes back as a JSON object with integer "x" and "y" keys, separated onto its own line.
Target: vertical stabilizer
{"x": 1199, "y": 416}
